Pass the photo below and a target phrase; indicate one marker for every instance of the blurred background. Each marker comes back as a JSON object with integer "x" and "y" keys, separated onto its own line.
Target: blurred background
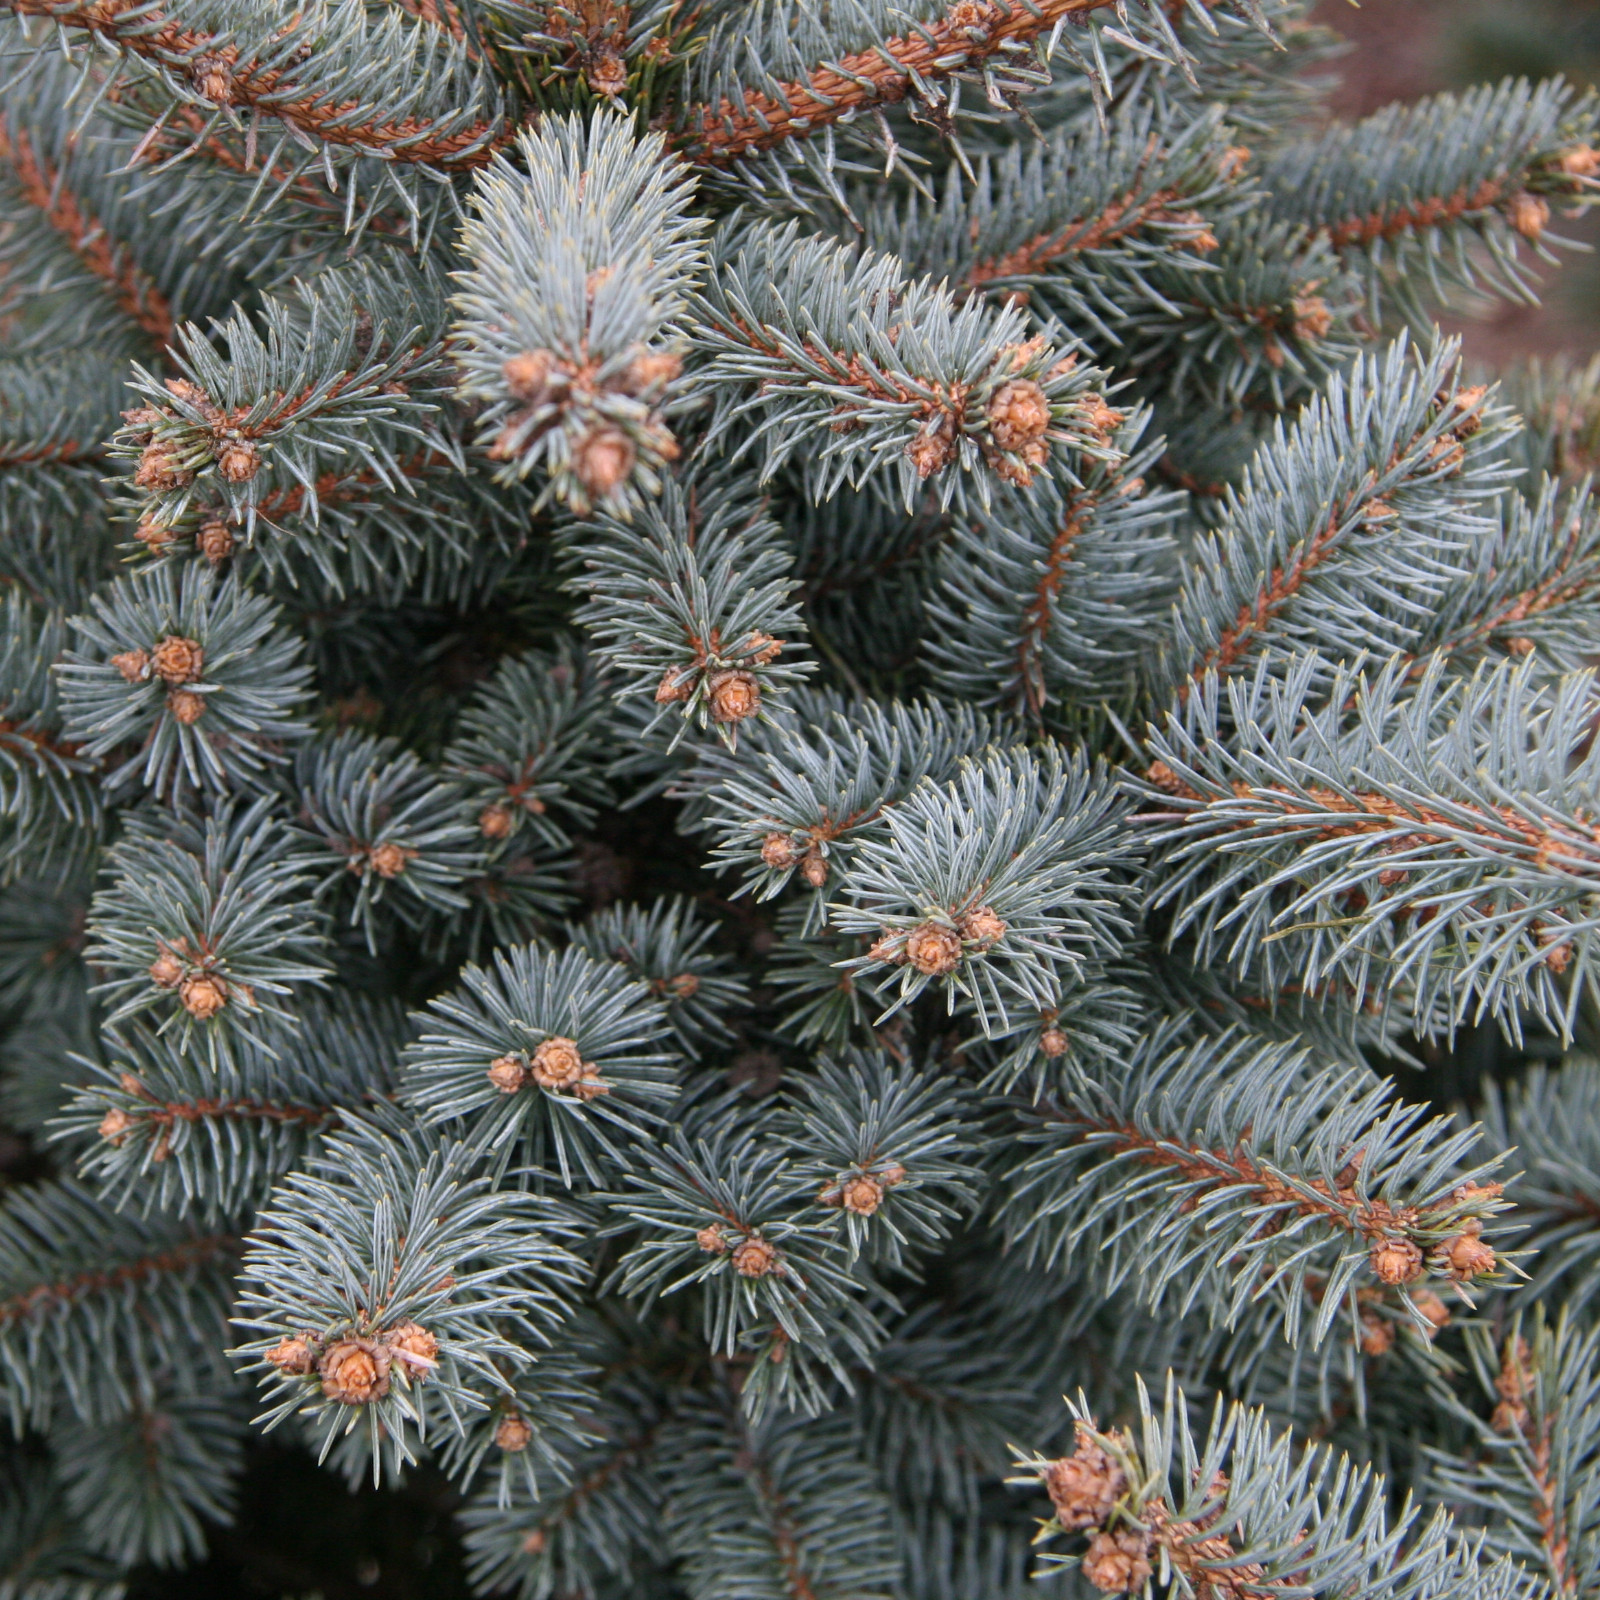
{"x": 1403, "y": 49}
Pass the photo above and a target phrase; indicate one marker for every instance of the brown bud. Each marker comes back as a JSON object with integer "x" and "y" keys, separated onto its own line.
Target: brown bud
{"x": 677, "y": 683}
{"x": 389, "y": 859}
{"x": 291, "y": 1356}
{"x": 177, "y": 660}
{"x": 1467, "y": 1255}
{"x": 355, "y": 1371}
{"x": 763, "y": 648}
{"x": 1019, "y": 414}
{"x": 513, "y": 1434}
{"x": 166, "y": 970}
{"x": 1396, "y": 1260}
{"x": 1053, "y": 1042}
{"x": 655, "y": 369}
{"x": 933, "y": 948}
{"x": 154, "y": 535}
{"x": 862, "y": 1195}
{"x": 603, "y": 459}
{"x": 734, "y": 695}
{"x": 213, "y": 79}
{"x": 755, "y": 1258}
{"x": 1528, "y": 215}
{"x": 534, "y": 1543}
{"x": 159, "y": 469}
{"x": 557, "y": 1064}
{"x": 1312, "y": 318}
{"x": 934, "y": 447}
{"x": 1377, "y": 1336}
{"x": 1084, "y": 1486}
{"x": 1118, "y": 1563}
{"x": 187, "y": 706}
{"x": 216, "y": 540}
{"x": 528, "y": 374}
{"x": 605, "y": 71}
{"x": 1433, "y": 1309}
{"x": 1099, "y": 418}
{"x": 495, "y": 822}
{"x": 134, "y": 665}
{"x": 892, "y": 1174}
{"x": 238, "y": 461}
{"x": 712, "y": 1240}
{"x": 1234, "y": 160}
{"x": 778, "y": 851}
{"x": 414, "y": 1347}
{"x": 983, "y": 926}
{"x": 1579, "y": 162}
{"x": 685, "y": 986}
{"x": 115, "y": 1125}
{"x": 203, "y": 995}
{"x": 890, "y": 948}
{"x": 589, "y": 1086}
{"x": 814, "y": 869}
{"x": 507, "y": 1074}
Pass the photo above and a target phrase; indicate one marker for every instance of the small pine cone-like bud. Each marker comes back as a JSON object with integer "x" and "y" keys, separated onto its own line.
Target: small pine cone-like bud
{"x": 755, "y": 1258}
{"x": 983, "y": 926}
{"x": 557, "y": 1064}
{"x": 1528, "y": 214}
{"x": 603, "y": 459}
{"x": 605, "y": 71}
{"x": 1579, "y": 162}
{"x": 159, "y": 469}
{"x": 355, "y": 1371}
{"x": 1467, "y": 1255}
{"x": 513, "y": 1435}
{"x": 934, "y": 447}
{"x": 654, "y": 369}
{"x": 528, "y": 374}
{"x": 238, "y": 461}
{"x": 508, "y": 1074}
{"x": 589, "y": 1086}
{"x": 1084, "y": 1486}
{"x": 187, "y": 706}
{"x": 1433, "y": 1309}
{"x": 1099, "y": 418}
{"x": 176, "y": 660}
{"x": 734, "y": 695}
{"x": 677, "y": 683}
{"x": 685, "y": 986}
{"x": 166, "y": 970}
{"x": 1053, "y": 1042}
{"x": 1312, "y": 318}
{"x": 213, "y": 79}
{"x": 203, "y": 995}
{"x": 134, "y": 665}
{"x": 862, "y": 1195}
{"x": 154, "y": 536}
{"x": 291, "y": 1356}
{"x": 891, "y": 948}
{"x": 414, "y": 1347}
{"x": 814, "y": 869}
{"x": 1234, "y": 160}
{"x": 778, "y": 851}
{"x": 712, "y": 1240}
{"x": 1019, "y": 414}
{"x": 1118, "y": 1563}
{"x": 1396, "y": 1260}
{"x": 762, "y": 648}
{"x": 934, "y": 949}
{"x": 115, "y": 1125}
{"x": 216, "y": 541}
{"x": 1377, "y": 1336}
{"x": 535, "y": 1542}
{"x": 389, "y": 859}
{"x": 495, "y": 822}
{"x": 892, "y": 1174}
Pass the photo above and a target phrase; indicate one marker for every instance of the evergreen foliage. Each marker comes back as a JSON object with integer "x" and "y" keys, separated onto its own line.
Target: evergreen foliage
{"x": 735, "y": 740}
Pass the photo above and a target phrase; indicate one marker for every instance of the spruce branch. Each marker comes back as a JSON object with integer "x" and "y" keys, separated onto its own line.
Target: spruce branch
{"x": 573, "y": 308}
{"x": 992, "y": 886}
{"x": 1234, "y": 1170}
{"x": 1350, "y": 525}
{"x": 171, "y": 1133}
{"x": 388, "y": 1284}
{"x": 1425, "y": 837}
{"x": 43, "y": 1553}
{"x": 1245, "y": 1511}
{"x": 98, "y": 1309}
{"x": 205, "y": 925}
{"x": 844, "y": 363}
{"x": 186, "y": 680}
{"x": 557, "y": 1051}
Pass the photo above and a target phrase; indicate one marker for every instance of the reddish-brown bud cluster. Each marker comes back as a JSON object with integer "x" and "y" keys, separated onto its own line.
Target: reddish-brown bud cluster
{"x": 933, "y": 948}
{"x": 1084, "y": 1486}
{"x": 755, "y": 1258}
